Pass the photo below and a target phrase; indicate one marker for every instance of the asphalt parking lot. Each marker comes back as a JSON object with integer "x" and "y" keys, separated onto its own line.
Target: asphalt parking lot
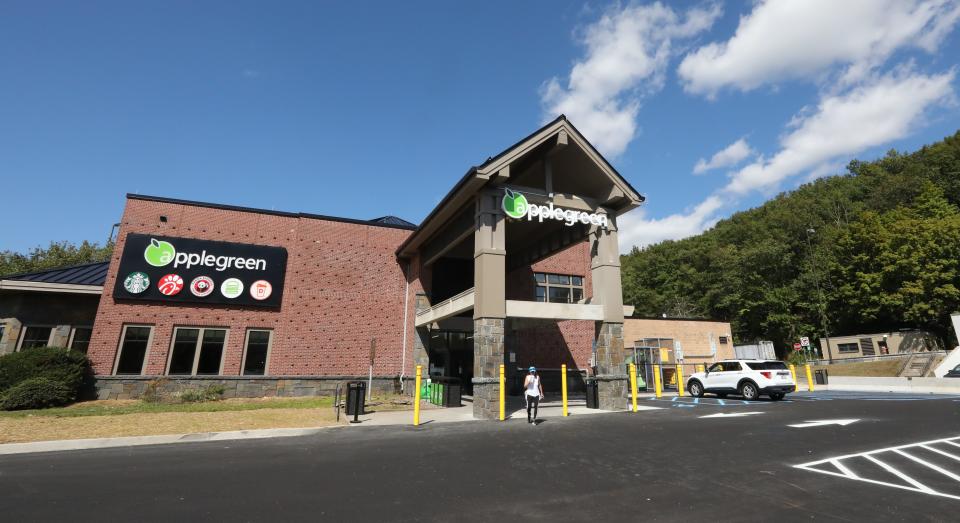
{"x": 820, "y": 456}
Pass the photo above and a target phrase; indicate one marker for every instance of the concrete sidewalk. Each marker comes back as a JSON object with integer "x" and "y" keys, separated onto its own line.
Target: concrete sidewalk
{"x": 164, "y": 439}
{"x": 515, "y": 409}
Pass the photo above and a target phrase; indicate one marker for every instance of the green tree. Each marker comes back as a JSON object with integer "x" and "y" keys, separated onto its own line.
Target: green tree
{"x": 883, "y": 253}
{"x": 58, "y": 254}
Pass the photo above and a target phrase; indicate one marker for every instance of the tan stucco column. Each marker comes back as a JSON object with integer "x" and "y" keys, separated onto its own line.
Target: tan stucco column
{"x": 421, "y": 336}
{"x": 607, "y": 291}
{"x": 11, "y": 333}
{"x": 490, "y": 306}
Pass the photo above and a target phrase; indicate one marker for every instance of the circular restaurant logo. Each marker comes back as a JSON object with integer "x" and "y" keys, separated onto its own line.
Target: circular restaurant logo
{"x": 159, "y": 253}
{"x": 514, "y": 204}
{"x": 261, "y": 290}
{"x": 231, "y": 288}
{"x": 170, "y": 285}
{"x": 136, "y": 282}
{"x": 201, "y": 286}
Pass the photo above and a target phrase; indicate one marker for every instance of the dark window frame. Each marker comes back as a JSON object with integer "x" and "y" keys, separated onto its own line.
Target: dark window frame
{"x": 246, "y": 349}
{"x": 26, "y": 329}
{"x": 73, "y": 338}
{"x": 123, "y": 339}
{"x": 542, "y": 280}
{"x": 198, "y": 350}
{"x": 844, "y": 348}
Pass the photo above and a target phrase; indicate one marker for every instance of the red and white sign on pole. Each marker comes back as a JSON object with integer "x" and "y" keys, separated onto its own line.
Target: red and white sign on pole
{"x": 797, "y": 346}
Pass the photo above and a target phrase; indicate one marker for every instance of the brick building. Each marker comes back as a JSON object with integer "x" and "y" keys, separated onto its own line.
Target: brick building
{"x": 517, "y": 265}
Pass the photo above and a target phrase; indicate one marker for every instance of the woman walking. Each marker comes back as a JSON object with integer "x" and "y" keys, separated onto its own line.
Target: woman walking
{"x": 533, "y": 393}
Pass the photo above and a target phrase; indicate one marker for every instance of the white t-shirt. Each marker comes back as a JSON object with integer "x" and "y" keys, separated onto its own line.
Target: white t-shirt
{"x": 533, "y": 385}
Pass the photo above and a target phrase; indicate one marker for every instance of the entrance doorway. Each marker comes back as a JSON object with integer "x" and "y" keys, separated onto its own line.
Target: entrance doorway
{"x": 451, "y": 356}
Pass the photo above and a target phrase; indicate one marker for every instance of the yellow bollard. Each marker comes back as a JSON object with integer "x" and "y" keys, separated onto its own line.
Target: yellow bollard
{"x": 416, "y": 397}
{"x": 680, "y": 384}
{"x": 633, "y": 384}
{"x": 809, "y": 377}
{"x": 793, "y": 372}
{"x": 657, "y": 385}
{"x": 563, "y": 385}
{"x": 503, "y": 394}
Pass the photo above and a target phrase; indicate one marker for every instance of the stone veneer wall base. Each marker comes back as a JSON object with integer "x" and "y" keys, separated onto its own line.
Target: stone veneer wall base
{"x": 132, "y": 387}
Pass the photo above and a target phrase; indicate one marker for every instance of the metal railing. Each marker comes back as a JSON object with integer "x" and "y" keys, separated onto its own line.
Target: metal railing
{"x": 878, "y": 357}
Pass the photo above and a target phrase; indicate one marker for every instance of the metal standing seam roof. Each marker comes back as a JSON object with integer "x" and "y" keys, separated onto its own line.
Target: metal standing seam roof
{"x": 393, "y": 220}
{"x": 86, "y": 274}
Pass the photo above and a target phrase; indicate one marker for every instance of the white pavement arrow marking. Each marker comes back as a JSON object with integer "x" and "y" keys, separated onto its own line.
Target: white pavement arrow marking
{"x": 735, "y": 415}
{"x": 821, "y": 423}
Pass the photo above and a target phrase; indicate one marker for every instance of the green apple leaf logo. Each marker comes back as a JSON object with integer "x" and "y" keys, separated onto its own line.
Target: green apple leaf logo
{"x": 159, "y": 253}
{"x": 514, "y": 204}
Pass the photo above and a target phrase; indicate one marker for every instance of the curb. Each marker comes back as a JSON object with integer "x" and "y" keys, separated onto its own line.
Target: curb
{"x": 164, "y": 439}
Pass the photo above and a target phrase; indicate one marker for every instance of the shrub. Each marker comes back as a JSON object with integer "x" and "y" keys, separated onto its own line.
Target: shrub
{"x": 796, "y": 357}
{"x": 68, "y": 368}
{"x": 155, "y": 391}
{"x": 208, "y": 393}
{"x": 36, "y": 393}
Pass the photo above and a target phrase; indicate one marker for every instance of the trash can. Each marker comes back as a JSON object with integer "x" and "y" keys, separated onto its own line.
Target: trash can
{"x": 820, "y": 376}
{"x": 356, "y": 393}
{"x": 451, "y": 392}
{"x": 593, "y": 394}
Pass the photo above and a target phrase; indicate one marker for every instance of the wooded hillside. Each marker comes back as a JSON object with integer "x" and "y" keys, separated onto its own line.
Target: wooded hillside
{"x": 882, "y": 243}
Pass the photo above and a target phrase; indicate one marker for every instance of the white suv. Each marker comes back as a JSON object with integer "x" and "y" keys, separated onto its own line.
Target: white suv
{"x": 749, "y": 378}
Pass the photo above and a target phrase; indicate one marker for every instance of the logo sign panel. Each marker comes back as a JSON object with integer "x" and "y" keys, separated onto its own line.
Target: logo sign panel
{"x": 186, "y": 270}
{"x": 516, "y": 206}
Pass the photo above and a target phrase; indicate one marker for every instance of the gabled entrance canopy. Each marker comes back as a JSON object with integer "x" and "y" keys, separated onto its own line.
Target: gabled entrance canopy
{"x": 543, "y": 194}
{"x": 555, "y": 163}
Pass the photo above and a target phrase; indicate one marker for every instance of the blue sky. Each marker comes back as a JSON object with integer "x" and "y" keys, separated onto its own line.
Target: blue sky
{"x": 361, "y": 110}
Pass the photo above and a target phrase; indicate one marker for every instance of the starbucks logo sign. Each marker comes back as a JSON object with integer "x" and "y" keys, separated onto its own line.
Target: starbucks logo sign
{"x": 136, "y": 282}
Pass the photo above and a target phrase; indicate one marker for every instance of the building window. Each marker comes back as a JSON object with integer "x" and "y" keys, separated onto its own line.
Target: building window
{"x": 866, "y": 345}
{"x": 558, "y": 288}
{"x": 723, "y": 340}
{"x": 848, "y": 347}
{"x": 80, "y": 339}
{"x": 134, "y": 343}
{"x": 196, "y": 351}
{"x": 256, "y": 351}
{"x": 35, "y": 337}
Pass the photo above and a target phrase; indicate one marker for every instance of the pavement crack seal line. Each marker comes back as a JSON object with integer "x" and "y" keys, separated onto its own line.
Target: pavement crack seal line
{"x": 162, "y": 439}
{"x": 876, "y": 457}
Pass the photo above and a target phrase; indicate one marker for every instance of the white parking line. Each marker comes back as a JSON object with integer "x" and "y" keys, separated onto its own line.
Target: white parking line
{"x": 844, "y": 463}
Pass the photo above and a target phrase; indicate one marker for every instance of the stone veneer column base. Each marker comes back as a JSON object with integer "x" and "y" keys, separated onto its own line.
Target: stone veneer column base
{"x": 486, "y": 398}
{"x": 487, "y": 358}
{"x": 612, "y": 392}
{"x": 611, "y": 377}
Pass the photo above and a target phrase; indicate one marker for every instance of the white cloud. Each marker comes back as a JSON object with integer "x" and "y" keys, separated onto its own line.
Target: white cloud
{"x": 635, "y": 229}
{"x": 627, "y": 52}
{"x": 843, "y": 125}
{"x": 807, "y": 39}
{"x": 729, "y": 156}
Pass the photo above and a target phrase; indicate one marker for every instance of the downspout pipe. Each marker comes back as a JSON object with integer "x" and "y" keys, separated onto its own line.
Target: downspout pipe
{"x": 406, "y": 305}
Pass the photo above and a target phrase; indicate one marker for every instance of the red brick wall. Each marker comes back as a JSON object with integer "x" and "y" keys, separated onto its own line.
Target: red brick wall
{"x": 548, "y": 344}
{"x": 343, "y": 287}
